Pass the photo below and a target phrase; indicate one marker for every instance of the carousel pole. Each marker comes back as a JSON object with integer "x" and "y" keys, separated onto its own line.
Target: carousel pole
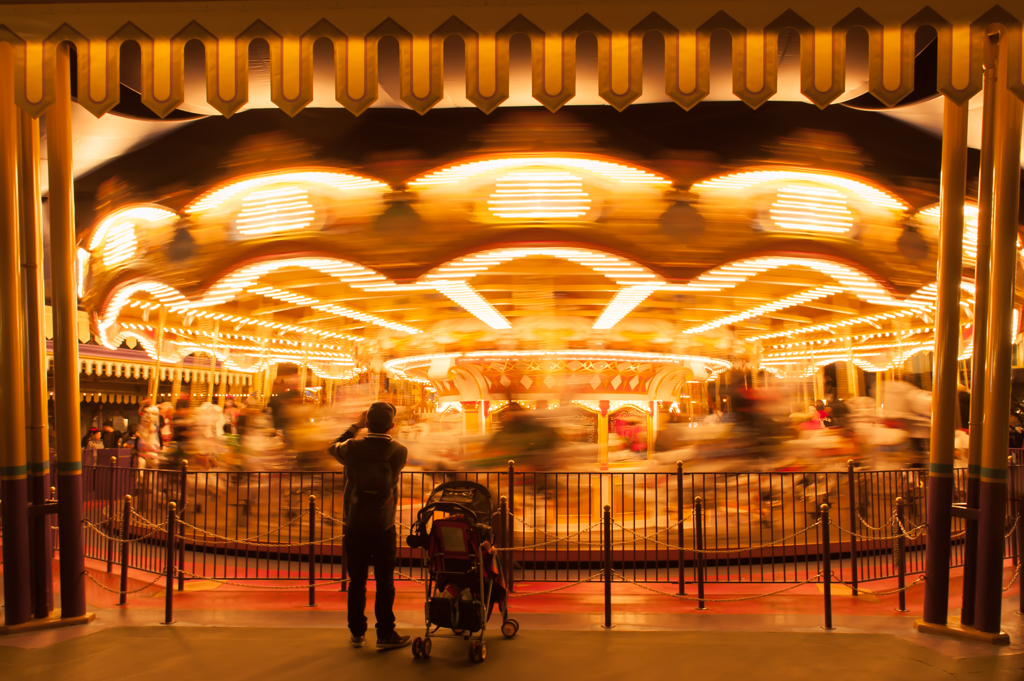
{"x": 982, "y": 269}
{"x": 995, "y": 444}
{"x": 947, "y": 330}
{"x": 13, "y": 464}
{"x": 37, "y": 395}
{"x": 154, "y": 392}
{"x": 64, "y": 296}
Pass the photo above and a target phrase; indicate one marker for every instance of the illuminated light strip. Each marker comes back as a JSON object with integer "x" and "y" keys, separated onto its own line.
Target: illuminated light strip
{"x": 808, "y": 208}
{"x": 146, "y": 213}
{"x": 767, "y": 308}
{"x": 550, "y": 194}
{"x": 165, "y": 294}
{"x": 238, "y": 319}
{"x": 858, "y": 337}
{"x": 270, "y": 211}
{"x": 259, "y": 350}
{"x": 970, "y": 228}
{"x": 349, "y": 313}
{"x": 234, "y": 283}
{"x": 462, "y": 294}
{"x": 745, "y": 180}
{"x": 614, "y": 171}
{"x": 726, "y": 277}
{"x": 881, "y": 317}
{"x": 624, "y": 302}
{"x": 83, "y": 264}
{"x": 120, "y": 244}
{"x": 342, "y": 182}
{"x": 239, "y": 336}
{"x": 619, "y": 270}
{"x": 401, "y": 365}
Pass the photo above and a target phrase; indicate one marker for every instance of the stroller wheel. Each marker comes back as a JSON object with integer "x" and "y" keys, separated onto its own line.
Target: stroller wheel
{"x": 417, "y": 647}
{"x": 509, "y": 628}
{"x": 425, "y": 650}
{"x": 477, "y": 651}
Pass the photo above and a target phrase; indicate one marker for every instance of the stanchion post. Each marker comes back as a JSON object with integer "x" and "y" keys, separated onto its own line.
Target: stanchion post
{"x": 510, "y": 585}
{"x": 344, "y": 552}
{"x": 169, "y": 589}
{"x": 183, "y": 491}
{"x": 56, "y": 532}
{"x": 312, "y": 551}
{"x": 1019, "y": 505}
{"x": 826, "y": 572}
{"x": 901, "y": 561}
{"x": 679, "y": 527}
{"x": 607, "y": 566}
{"x": 126, "y": 519}
{"x": 504, "y": 523}
{"x": 698, "y": 546}
{"x": 851, "y": 478}
{"x": 111, "y": 521}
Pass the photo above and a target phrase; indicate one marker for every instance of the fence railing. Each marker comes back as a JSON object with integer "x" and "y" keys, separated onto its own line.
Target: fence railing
{"x": 755, "y": 527}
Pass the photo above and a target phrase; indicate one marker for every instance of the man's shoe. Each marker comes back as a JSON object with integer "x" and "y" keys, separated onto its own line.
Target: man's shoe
{"x": 393, "y": 640}
{"x": 357, "y": 641}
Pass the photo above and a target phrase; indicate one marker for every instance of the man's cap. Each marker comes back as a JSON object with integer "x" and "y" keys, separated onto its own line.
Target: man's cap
{"x": 380, "y": 416}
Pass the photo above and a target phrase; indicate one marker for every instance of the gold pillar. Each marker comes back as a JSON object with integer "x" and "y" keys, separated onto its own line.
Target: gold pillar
{"x": 995, "y": 445}
{"x": 947, "y": 337}
{"x": 13, "y": 463}
{"x": 37, "y": 395}
{"x": 64, "y": 297}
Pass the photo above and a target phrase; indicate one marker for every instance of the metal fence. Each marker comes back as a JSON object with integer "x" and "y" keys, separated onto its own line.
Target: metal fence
{"x": 756, "y": 527}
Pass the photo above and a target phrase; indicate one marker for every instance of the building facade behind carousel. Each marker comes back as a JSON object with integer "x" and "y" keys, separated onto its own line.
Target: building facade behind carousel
{"x": 622, "y": 308}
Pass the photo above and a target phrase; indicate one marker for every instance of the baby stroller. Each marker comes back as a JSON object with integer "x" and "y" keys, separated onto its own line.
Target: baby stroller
{"x": 464, "y": 582}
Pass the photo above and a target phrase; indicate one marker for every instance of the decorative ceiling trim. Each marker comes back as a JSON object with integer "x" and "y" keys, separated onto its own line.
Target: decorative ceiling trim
{"x": 227, "y": 29}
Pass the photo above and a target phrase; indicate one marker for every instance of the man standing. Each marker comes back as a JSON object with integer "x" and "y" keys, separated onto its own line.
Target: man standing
{"x": 111, "y": 437}
{"x": 372, "y": 466}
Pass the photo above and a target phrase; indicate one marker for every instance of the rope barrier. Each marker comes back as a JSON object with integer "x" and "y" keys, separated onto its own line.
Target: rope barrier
{"x": 1013, "y": 579}
{"x": 860, "y": 588}
{"x": 97, "y": 530}
{"x": 249, "y": 541}
{"x": 268, "y": 587}
{"x": 524, "y": 594}
{"x": 717, "y": 600}
{"x": 118, "y": 591}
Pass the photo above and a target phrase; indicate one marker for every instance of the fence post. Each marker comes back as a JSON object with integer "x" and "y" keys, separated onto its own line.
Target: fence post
{"x": 54, "y": 545}
{"x": 312, "y": 550}
{"x": 607, "y": 566}
{"x": 503, "y": 522}
{"x": 698, "y": 545}
{"x": 901, "y": 562}
{"x": 852, "y": 479}
{"x": 169, "y": 590}
{"x": 182, "y": 497}
{"x": 679, "y": 527}
{"x": 344, "y": 552}
{"x": 126, "y": 519}
{"x": 511, "y": 525}
{"x": 826, "y": 552}
{"x": 111, "y": 522}
{"x": 1019, "y": 505}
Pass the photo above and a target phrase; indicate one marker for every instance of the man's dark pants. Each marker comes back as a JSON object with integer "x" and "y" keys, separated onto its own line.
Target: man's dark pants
{"x": 364, "y": 548}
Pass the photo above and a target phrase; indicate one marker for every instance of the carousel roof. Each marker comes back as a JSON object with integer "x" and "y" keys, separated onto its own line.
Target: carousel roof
{"x": 804, "y": 256}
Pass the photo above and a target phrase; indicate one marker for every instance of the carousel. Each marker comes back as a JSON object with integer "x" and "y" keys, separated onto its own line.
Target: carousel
{"x": 623, "y": 293}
